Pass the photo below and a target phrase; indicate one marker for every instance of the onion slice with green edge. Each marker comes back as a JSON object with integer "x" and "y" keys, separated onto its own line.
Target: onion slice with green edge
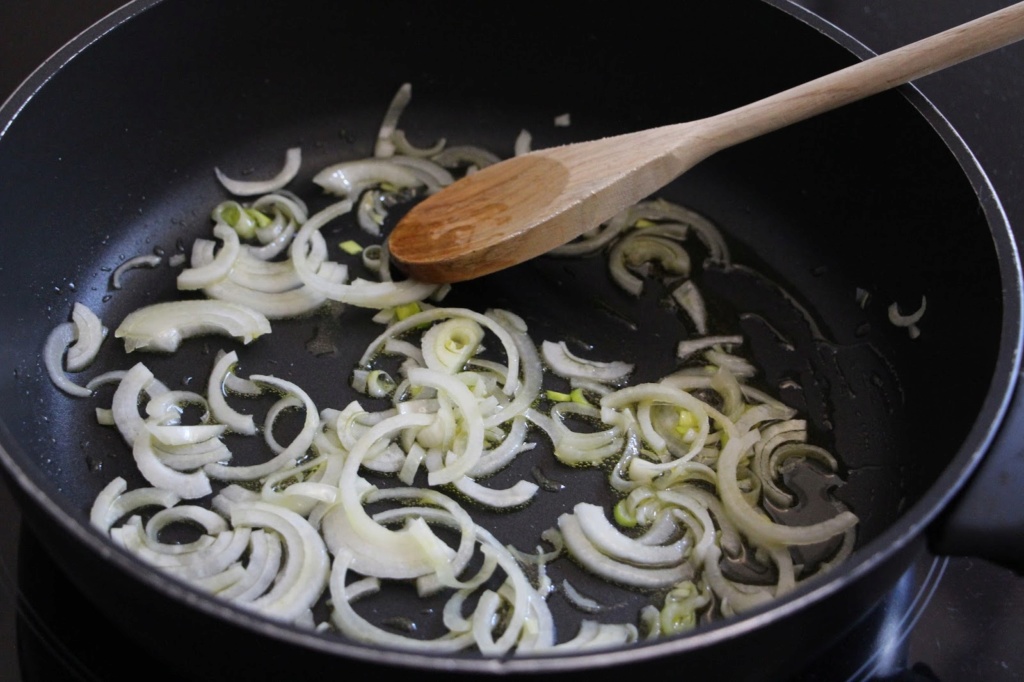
{"x": 426, "y": 316}
{"x": 613, "y": 404}
{"x": 613, "y": 543}
{"x": 447, "y": 346}
{"x": 162, "y": 326}
{"x": 619, "y": 572}
{"x": 245, "y": 188}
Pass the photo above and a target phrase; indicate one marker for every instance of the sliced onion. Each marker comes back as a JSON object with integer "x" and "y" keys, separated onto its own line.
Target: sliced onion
{"x": 523, "y": 143}
{"x": 89, "y": 335}
{"x": 433, "y": 314}
{"x": 292, "y": 163}
{"x": 286, "y": 457}
{"x": 378, "y": 551}
{"x": 384, "y": 146}
{"x": 115, "y": 501}
{"x": 307, "y": 566}
{"x": 565, "y": 364}
{"x": 150, "y": 261}
{"x": 621, "y": 573}
{"x": 264, "y": 562}
{"x": 448, "y": 346}
{"x": 758, "y": 527}
{"x": 613, "y": 543}
{"x": 62, "y": 336}
{"x": 689, "y": 298}
{"x": 207, "y": 274}
{"x": 465, "y": 155}
{"x": 431, "y": 174}
{"x": 460, "y": 463}
{"x": 188, "y": 486}
{"x": 640, "y": 248}
{"x": 686, "y": 349}
{"x": 901, "y": 320}
{"x": 162, "y": 326}
{"x": 352, "y": 625}
{"x": 518, "y": 495}
{"x": 219, "y": 408}
{"x": 360, "y": 292}
{"x": 137, "y": 381}
{"x": 350, "y": 178}
{"x": 406, "y": 148}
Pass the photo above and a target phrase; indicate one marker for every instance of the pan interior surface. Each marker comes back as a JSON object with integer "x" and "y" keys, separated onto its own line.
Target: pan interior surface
{"x": 831, "y": 221}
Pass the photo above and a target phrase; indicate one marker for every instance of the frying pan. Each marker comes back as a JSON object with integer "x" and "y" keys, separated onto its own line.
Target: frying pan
{"x": 108, "y": 152}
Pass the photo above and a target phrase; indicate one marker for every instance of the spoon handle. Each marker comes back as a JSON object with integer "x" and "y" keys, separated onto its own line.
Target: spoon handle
{"x": 868, "y": 77}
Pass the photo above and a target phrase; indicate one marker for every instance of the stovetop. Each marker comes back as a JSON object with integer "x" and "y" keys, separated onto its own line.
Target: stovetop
{"x": 947, "y": 619}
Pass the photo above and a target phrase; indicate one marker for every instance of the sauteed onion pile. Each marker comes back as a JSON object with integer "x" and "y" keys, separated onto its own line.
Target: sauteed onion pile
{"x": 347, "y": 499}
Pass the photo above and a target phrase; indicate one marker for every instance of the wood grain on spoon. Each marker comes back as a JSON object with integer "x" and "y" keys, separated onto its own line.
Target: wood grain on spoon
{"x": 521, "y": 208}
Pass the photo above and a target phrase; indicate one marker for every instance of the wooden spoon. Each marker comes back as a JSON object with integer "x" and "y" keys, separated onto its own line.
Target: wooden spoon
{"x": 523, "y": 207}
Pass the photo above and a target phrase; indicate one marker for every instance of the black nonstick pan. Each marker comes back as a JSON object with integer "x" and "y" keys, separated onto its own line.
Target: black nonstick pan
{"x": 107, "y": 153}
